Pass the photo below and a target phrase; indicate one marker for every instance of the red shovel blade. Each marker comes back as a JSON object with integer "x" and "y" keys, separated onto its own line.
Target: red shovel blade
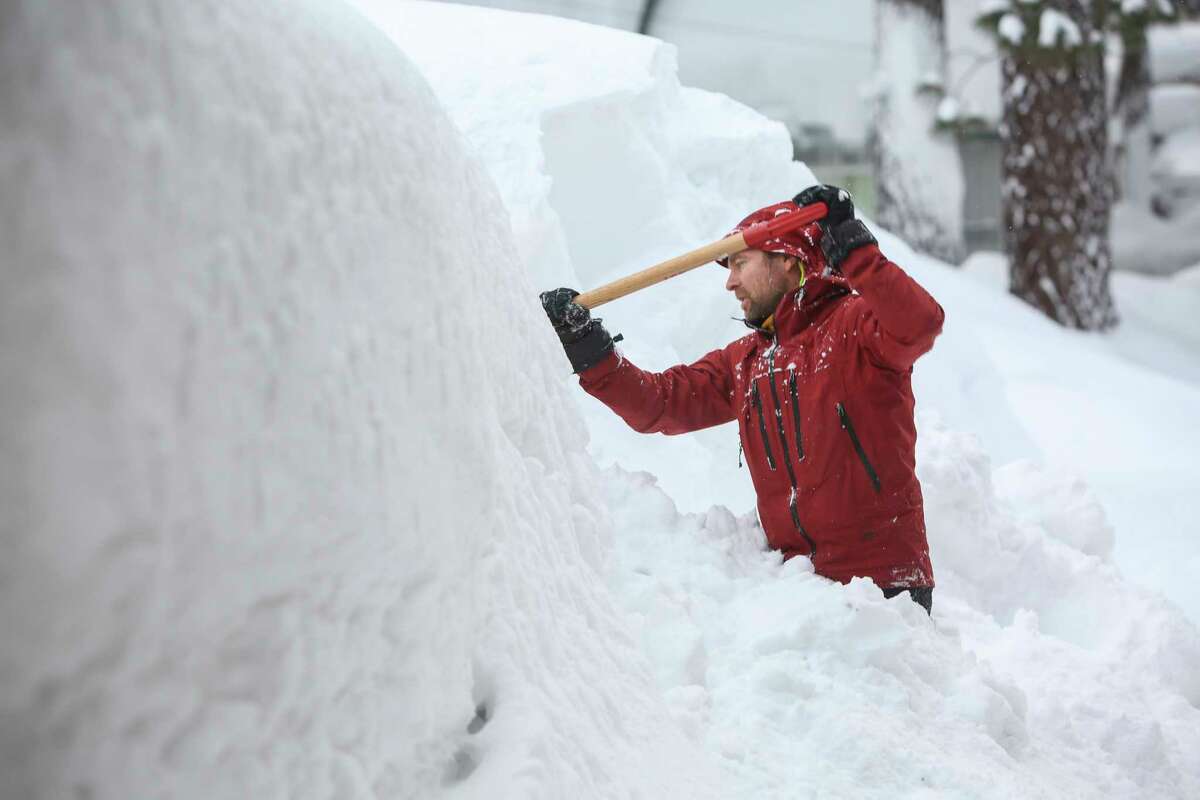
{"x": 757, "y": 235}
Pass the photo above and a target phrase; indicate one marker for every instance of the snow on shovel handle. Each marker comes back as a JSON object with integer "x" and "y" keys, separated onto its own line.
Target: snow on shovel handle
{"x": 752, "y": 237}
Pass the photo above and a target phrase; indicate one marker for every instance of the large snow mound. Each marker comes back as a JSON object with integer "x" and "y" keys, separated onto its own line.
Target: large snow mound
{"x": 294, "y": 503}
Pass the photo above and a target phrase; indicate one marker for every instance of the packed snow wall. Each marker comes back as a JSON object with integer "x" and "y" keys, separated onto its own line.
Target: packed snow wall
{"x": 293, "y": 503}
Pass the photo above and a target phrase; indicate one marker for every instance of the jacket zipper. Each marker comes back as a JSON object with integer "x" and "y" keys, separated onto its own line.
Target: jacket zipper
{"x": 848, "y": 427}
{"x": 812, "y": 546}
{"x": 796, "y": 415}
{"x": 762, "y": 423}
{"x": 787, "y": 459}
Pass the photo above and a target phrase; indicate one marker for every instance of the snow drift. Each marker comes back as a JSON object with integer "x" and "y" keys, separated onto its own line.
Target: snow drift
{"x": 293, "y": 502}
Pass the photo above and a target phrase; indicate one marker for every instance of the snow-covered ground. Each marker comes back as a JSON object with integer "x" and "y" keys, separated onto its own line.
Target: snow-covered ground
{"x": 1150, "y": 245}
{"x": 300, "y": 500}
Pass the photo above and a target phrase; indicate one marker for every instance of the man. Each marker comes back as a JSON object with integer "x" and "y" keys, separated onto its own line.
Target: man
{"x": 821, "y": 390}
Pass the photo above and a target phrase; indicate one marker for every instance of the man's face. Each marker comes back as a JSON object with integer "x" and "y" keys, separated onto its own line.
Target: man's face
{"x": 759, "y": 281}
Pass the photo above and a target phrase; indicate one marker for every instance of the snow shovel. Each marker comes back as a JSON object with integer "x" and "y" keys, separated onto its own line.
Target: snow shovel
{"x": 752, "y": 237}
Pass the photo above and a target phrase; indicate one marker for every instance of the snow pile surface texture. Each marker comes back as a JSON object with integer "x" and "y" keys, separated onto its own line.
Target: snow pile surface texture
{"x": 1044, "y": 672}
{"x": 294, "y": 504}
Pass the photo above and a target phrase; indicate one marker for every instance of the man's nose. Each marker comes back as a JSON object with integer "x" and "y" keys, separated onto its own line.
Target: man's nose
{"x": 729, "y": 282}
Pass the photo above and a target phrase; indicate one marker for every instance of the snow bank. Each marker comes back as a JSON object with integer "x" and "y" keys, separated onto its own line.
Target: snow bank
{"x": 1117, "y": 410}
{"x": 294, "y": 503}
{"x": 1145, "y": 243}
{"x": 1173, "y": 107}
{"x": 1189, "y": 277}
{"x": 1044, "y": 672}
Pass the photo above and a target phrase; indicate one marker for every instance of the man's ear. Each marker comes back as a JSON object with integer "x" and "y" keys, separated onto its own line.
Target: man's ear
{"x": 794, "y": 264}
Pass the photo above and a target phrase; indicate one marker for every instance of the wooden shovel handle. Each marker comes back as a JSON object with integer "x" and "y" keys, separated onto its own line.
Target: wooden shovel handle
{"x": 661, "y": 272}
{"x": 754, "y": 236}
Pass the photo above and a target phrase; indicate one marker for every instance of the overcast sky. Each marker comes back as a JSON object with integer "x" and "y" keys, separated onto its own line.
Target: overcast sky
{"x": 775, "y": 55}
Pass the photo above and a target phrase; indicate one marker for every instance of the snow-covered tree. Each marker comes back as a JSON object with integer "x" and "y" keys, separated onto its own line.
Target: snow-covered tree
{"x": 1057, "y": 188}
{"x": 917, "y": 166}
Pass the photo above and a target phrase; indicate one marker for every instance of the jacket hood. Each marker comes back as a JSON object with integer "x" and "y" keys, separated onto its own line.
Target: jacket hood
{"x": 803, "y": 243}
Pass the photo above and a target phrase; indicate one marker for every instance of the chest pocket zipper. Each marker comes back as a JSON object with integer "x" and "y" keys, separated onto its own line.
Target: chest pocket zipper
{"x": 756, "y": 400}
{"x": 796, "y": 415}
{"x": 848, "y": 427}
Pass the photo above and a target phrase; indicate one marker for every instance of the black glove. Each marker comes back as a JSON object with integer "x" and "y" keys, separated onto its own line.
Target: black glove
{"x": 841, "y": 233}
{"x": 584, "y": 339}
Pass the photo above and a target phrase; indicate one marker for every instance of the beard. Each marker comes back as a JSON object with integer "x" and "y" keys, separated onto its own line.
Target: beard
{"x": 759, "y": 310}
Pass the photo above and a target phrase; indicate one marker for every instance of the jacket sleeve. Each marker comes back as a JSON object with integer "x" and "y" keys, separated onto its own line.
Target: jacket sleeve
{"x": 900, "y": 319}
{"x": 681, "y": 399}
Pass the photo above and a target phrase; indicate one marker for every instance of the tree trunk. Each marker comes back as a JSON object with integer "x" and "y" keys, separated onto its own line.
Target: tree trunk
{"x": 1057, "y": 181}
{"x": 917, "y": 166}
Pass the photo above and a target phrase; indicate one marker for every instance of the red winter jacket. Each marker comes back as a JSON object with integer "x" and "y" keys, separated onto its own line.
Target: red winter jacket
{"x": 824, "y": 406}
